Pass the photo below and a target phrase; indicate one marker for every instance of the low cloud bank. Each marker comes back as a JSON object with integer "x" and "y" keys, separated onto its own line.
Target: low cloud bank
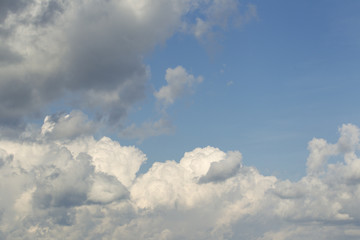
{"x": 60, "y": 186}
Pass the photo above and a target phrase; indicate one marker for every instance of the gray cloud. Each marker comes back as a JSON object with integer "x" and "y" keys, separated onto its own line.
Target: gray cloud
{"x": 16, "y": 99}
{"x": 88, "y": 52}
{"x": 50, "y": 9}
{"x": 59, "y": 188}
{"x": 224, "y": 169}
{"x": 7, "y": 56}
{"x": 11, "y": 6}
{"x": 65, "y": 53}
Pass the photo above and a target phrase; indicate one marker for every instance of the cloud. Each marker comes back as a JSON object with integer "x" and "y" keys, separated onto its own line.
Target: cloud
{"x": 63, "y": 53}
{"x": 67, "y": 126}
{"x": 11, "y": 6}
{"x": 217, "y": 17}
{"x": 88, "y": 52}
{"x": 222, "y": 170}
{"x": 51, "y": 177}
{"x": 60, "y": 182}
{"x": 8, "y": 56}
{"x": 86, "y": 188}
{"x": 320, "y": 150}
{"x": 50, "y": 49}
{"x": 179, "y": 82}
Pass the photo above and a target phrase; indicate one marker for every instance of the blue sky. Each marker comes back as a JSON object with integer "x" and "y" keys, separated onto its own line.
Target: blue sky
{"x": 272, "y": 85}
{"x": 179, "y": 119}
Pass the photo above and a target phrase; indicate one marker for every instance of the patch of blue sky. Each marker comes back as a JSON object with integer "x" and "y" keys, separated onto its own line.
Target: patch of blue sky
{"x": 274, "y": 84}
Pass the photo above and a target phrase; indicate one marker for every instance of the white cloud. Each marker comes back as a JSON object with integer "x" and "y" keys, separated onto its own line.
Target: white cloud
{"x": 124, "y": 163}
{"x": 320, "y": 150}
{"x": 87, "y": 188}
{"x": 179, "y": 82}
{"x": 172, "y": 184}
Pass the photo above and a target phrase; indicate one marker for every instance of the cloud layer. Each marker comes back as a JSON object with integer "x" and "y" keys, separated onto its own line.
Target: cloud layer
{"x": 82, "y": 188}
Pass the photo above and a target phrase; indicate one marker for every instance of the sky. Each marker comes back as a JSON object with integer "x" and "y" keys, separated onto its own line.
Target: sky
{"x": 179, "y": 119}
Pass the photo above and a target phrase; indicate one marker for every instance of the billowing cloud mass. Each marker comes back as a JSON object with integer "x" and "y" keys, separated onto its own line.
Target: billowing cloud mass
{"x": 79, "y": 187}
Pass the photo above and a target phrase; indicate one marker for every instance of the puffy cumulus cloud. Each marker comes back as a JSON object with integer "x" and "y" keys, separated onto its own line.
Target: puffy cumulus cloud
{"x": 49, "y": 178}
{"x": 89, "y": 51}
{"x": 320, "y": 150}
{"x": 207, "y": 210}
{"x": 176, "y": 184}
{"x": 178, "y": 83}
{"x": 126, "y": 160}
{"x": 83, "y": 188}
